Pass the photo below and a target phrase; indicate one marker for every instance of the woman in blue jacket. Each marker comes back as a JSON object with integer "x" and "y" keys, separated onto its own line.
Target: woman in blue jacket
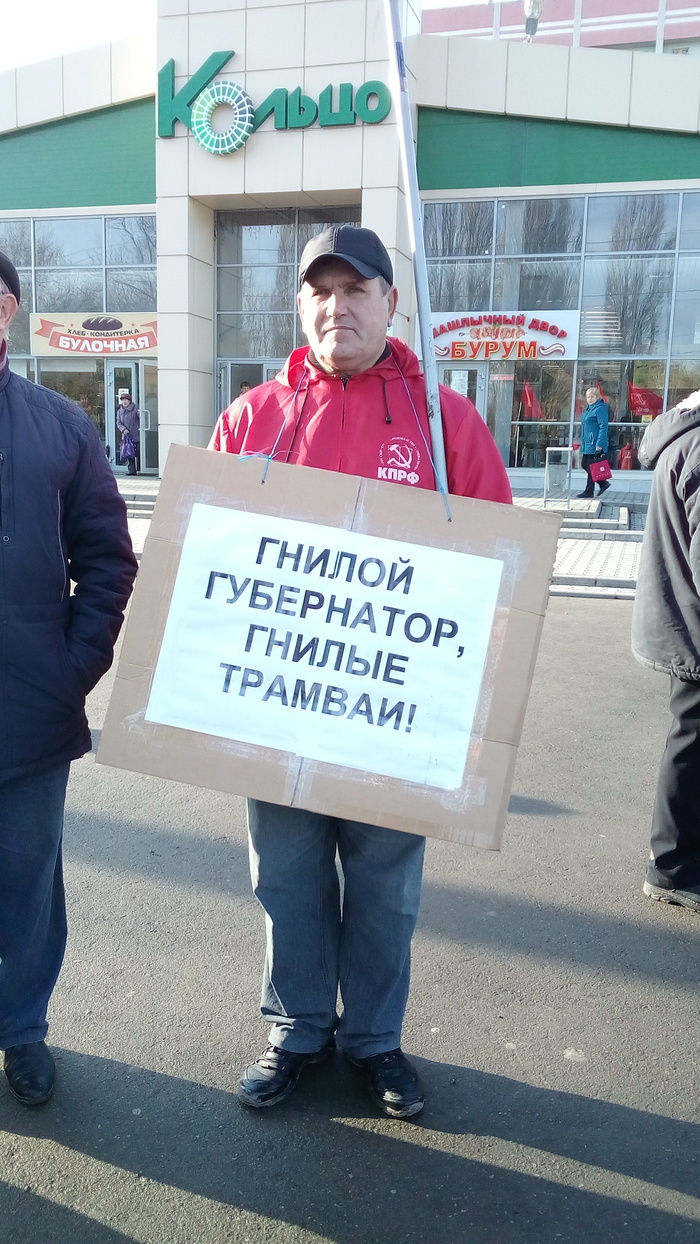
{"x": 594, "y": 439}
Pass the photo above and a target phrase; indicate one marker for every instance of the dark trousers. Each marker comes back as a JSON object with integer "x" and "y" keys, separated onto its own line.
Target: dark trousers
{"x": 586, "y": 460}
{"x": 675, "y": 831}
{"x": 32, "y": 903}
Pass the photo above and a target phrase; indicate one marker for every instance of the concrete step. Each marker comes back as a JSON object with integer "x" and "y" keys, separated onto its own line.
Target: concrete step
{"x": 584, "y": 591}
{"x": 606, "y": 566}
{"x": 140, "y": 502}
{"x": 577, "y": 533}
{"x": 140, "y": 509}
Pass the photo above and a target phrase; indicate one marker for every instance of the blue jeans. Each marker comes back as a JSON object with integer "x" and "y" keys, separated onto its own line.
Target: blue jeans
{"x": 32, "y": 903}
{"x": 318, "y": 943}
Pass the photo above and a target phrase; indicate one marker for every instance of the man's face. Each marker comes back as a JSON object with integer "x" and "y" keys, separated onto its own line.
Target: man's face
{"x": 344, "y": 316}
{"x": 8, "y": 310}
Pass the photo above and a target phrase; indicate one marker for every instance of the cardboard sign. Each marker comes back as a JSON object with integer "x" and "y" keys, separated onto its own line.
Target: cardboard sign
{"x": 332, "y": 643}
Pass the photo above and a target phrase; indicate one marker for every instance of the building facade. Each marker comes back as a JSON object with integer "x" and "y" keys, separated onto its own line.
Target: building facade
{"x": 561, "y": 190}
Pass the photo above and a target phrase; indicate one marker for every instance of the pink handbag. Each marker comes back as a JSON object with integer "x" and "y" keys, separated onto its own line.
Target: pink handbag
{"x": 600, "y": 470}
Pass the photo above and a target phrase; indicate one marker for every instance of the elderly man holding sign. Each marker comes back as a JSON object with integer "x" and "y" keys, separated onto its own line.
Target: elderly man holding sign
{"x": 351, "y": 401}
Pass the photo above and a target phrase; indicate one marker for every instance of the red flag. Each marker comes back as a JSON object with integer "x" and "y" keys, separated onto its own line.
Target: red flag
{"x": 530, "y": 402}
{"x": 644, "y": 401}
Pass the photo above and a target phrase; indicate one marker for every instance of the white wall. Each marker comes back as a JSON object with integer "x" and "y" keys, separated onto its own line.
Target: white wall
{"x": 594, "y": 85}
{"x": 78, "y": 82}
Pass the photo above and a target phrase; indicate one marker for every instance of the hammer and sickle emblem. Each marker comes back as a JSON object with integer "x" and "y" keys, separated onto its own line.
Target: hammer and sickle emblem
{"x": 402, "y": 457}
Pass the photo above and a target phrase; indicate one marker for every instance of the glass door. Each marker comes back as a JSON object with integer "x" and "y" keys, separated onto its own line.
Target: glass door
{"x": 235, "y": 378}
{"x": 148, "y": 406}
{"x": 470, "y": 381}
{"x": 140, "y": 379}
{"x": 120, "y": 378}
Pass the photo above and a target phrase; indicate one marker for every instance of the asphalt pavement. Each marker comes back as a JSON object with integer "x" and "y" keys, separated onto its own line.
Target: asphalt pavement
{"x": 553, "y": 1015}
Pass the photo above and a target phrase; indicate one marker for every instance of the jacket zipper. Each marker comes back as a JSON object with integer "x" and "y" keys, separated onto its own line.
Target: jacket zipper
{"x": 60, "y": 549}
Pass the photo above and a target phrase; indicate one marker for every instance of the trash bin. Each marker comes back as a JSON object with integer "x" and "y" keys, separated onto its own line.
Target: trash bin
{"x": 556, "y": 473}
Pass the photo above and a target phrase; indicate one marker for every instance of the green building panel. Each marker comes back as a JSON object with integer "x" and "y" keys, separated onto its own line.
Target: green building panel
{"x": 92, "y": 160}
{"x": 468, "y": 150}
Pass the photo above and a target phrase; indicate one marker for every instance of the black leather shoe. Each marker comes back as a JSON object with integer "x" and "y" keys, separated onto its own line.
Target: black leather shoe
{"x": 393, "y": 1083}
{"x": 603, "y": 487}
{"x": 30, "y": 1072}
{"x": 587, "y": 496}
{"x": 274, "y": 1074}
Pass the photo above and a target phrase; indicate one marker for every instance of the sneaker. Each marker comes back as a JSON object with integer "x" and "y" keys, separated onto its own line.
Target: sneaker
{"x": 274, "y": 1074}
{"x": 393, "y": 1083}
{"x": 689, "y": 897}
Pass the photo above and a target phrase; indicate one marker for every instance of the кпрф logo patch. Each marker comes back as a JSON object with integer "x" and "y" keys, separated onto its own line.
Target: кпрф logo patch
{"x": 400, "y": 459}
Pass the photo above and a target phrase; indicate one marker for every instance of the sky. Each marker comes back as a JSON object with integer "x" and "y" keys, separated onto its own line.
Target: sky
{"x": 35, "y": 30}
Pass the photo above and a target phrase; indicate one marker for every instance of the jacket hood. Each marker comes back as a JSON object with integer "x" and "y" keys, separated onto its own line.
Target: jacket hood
{"x": 300, "y": 366}
{"x": 665, "y": 429}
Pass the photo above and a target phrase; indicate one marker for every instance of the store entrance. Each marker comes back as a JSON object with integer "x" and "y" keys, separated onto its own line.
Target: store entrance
{"x": 491, "y": 391}
{"x": 140, "y": 379}
{"x": 469, "y": 381}
{"x": 233, "y": 377}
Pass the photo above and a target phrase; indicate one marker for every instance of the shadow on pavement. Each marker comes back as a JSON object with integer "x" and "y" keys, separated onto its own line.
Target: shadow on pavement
{"x": 561, "y": 934}
{"x": 31, "y": 1219}
{"x": 323, "y": 1162}
{"x": 453, "y": 911}
{"x": 522, "y": 805}
{"x": 219, "y": 864}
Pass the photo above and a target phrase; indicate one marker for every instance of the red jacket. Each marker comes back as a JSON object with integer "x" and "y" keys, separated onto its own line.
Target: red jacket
{"x": 374, "y": 424}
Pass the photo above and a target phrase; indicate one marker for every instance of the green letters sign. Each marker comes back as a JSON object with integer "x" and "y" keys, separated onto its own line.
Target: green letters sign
{"x": 195, "y": 104}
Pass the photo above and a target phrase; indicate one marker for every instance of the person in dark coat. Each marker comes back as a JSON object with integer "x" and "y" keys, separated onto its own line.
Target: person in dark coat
{"x": 666, "y": 637}
{"x": 129, "y": 424}
{"x": 594, "y": 439}
{"x": 62, "y": 523}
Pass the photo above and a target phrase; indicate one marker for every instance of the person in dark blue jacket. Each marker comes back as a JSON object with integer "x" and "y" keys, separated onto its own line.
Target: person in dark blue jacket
{"x": 62, "y": 523}
{"x": 594, "y": 439}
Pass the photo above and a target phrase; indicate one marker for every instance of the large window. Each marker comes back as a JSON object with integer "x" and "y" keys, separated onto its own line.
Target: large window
{"x": 632, "y": 222}
{"x": 626, "y": 305}
{"x": 257, "y": 258}
{"x": 88, "y": 264}
{"x": 80, "y": 263}
{"x": 629, "y": 262}
{"x": 539, "y": 226}
{"x": 536, "y": 284}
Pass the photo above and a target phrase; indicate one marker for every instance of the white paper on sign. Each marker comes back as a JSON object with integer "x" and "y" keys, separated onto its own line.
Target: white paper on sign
{"x": 333, "y": 645}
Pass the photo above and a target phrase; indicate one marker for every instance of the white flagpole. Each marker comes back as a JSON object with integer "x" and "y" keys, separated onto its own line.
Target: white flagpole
{"x": 415, "y": 230}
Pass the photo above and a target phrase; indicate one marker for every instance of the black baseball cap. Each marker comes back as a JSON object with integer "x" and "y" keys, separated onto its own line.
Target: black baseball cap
{"x": 8, "y": 274}
{"x": 359, "y": 247}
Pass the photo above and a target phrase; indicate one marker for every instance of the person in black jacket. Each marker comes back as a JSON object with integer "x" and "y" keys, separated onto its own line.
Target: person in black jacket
{"x": 666, "y": 636}
{"x": 62, "y": 522}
